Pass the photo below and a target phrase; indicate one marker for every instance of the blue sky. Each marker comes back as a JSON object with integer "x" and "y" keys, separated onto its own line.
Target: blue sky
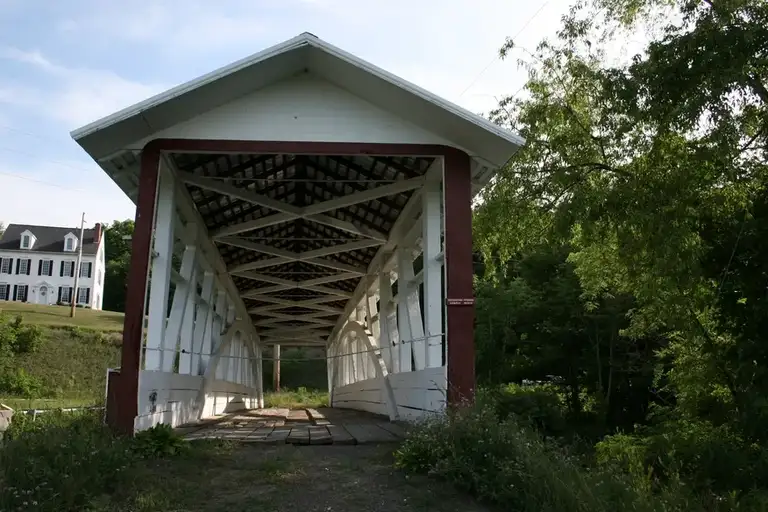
{"x": 66, "y": 63}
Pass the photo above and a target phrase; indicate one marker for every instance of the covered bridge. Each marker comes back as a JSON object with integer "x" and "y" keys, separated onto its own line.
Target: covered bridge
{"x": 300, "y": 196}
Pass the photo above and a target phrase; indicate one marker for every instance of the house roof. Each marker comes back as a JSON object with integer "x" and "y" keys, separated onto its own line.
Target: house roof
{"x": 49, "y": 238}
{"x": 481, "y": 138}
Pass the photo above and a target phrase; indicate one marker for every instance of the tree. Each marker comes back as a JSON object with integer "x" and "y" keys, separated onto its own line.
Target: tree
{"x": 2, "y": 228}
{"x": 654, "y": 174}
{"x": 118, "y": 258}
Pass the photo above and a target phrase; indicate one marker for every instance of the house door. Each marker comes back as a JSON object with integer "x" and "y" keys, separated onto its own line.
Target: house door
{"x": 42, "y": 295}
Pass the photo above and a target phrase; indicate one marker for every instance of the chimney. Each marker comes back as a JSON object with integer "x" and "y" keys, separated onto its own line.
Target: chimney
{"x": 97, "y": 234}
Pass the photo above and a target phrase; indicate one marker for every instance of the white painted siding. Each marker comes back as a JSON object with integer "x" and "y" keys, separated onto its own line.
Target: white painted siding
{"x": 302, "y": 108}
{"x": 178, "y": 399}
{"x": 53, "y": 282}
{"x": 416, "y": 393}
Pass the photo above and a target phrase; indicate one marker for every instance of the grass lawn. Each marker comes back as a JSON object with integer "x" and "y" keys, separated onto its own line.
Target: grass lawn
{"x": 46, "y": 403}
{"x": 58, "y": 316}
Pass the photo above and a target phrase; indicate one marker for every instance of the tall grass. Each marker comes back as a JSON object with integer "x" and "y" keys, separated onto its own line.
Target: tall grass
{"x": 297, "y": 398}
{"x": 64, "y": 461}
{"x": 506, "y": 464}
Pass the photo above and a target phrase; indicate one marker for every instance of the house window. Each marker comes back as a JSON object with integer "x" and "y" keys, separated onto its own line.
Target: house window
{"x": 69, "y": 244}
{"x": 66, "y": 294}
{"x": 85, "y": 269}
{"x": 21, "y": 293}
{"x": 5, "y": 291}
{"x": 5, "y": 265}
{"x": 25, "y": 242}
{"x": 68, "y": 266}
{"x": 46, "y": 268}
{"x": 23, "y": 267}
{"x": 82, "y": 295}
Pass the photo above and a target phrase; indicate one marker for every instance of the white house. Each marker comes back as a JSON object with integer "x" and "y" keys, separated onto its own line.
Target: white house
{"x": 37, "y": 265}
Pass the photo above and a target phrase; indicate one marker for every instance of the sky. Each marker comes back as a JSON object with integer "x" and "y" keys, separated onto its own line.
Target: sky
{"x": 65, "y": 64}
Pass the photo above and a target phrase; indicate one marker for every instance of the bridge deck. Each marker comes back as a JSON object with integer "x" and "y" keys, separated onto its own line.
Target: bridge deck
{"x": 298, "y": 426}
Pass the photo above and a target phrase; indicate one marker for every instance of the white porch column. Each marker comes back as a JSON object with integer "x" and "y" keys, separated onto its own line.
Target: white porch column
{"x": 161, "y": 271}
{"x": 433, "y": 272}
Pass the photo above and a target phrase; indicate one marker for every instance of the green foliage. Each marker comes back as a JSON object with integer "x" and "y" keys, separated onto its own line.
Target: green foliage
{"x": 511, "y": 466}
{"x": 117, "y": 258}
{"x": 159, "y": 441}
{"x": 625, "y": 245}
{"x": 28, "y": 339}
{"x": 711, "y": 458}
{"x": 20, "y": 383}
{"x": 538, "y": 406}
{"x": 297, "y": 398}
{"x": 66, "y": 461}
{"x": 66, "y": 363}
{"x": 59, "y": 462}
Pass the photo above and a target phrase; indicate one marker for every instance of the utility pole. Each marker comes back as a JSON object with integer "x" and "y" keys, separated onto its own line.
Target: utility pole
{"x": 77, "y": 266}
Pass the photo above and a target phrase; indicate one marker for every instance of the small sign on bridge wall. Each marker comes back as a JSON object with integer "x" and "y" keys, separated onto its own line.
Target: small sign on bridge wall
{"x": 461, "y": 302}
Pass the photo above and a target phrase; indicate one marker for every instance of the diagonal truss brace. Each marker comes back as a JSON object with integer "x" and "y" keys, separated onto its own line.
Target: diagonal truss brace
{"x": 288, "y": 212}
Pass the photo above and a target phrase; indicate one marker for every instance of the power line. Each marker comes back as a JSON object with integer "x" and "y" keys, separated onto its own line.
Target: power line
{"x": 498, "y": 56}
{"x": 42, "y": 182}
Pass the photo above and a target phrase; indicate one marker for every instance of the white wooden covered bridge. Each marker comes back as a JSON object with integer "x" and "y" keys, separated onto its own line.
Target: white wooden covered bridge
{"x": 300, "y": 196}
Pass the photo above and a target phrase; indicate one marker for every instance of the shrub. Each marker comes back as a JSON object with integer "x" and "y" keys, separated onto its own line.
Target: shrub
{"x": 19, "y": 382}
{"x": 28, "y": 339}
{"x": 159, "y": 441}
{"x": 709, "y": 457}
{"x": 510, "y": 465}
{"x": 63, "y": 461}
{"x": 539, "y": 406}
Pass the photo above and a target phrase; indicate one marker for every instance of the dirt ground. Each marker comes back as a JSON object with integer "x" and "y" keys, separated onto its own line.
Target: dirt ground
{"x": 285, "y": 478}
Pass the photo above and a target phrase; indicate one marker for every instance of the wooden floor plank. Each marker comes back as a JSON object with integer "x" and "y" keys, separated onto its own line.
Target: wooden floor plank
{"x": 393, "y": 429}
{"x": 319, "y": 435}
{"x": 369, "y": 433}
{"x": 298, "y": 435}
{"x": 340, "y": 435}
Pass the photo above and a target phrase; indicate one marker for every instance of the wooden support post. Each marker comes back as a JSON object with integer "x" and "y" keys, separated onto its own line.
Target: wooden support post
{"x": 458, "y": 263}
{"x": 161, "y": 273}
{"x": 203, "y": 312}
{"x": 403, "y": 322}
{"x": 276, "y": 367}
{"x": 432, "y": 270}
{"x": 172, "y": 343}
{"x": 388, "y": 323}
{"x": 123, "y": 405}
{"x": 188, "y": 326}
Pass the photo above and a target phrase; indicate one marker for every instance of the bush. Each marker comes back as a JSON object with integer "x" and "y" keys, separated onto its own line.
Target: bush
{"x": 708, "y": 457}
{"x": 159, "y": 441}
{"x": 63, "y": 461}
{"x": 539, "y": 406}
{"x": 506, "y": 464}
{"x": 28, "y": 339}
{"x": 19, "y": 382}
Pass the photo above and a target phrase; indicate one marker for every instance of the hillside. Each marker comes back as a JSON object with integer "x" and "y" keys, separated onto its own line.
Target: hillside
{"x": 69, "y": 366}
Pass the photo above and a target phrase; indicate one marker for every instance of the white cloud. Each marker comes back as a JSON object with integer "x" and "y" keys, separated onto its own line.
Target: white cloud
{"x": 75, "y": 96}
{"x": 56, "y": 193}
